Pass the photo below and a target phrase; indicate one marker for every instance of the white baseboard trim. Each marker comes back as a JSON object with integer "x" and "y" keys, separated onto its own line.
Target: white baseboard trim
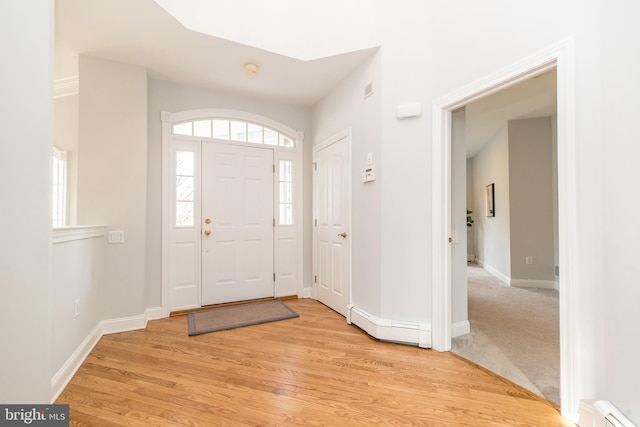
{"x": 306, "y": 292}
{"x": 132, "y": 323}
{"x": 502, "y": 277}
{"x": 73, "y": 363}
{"x": 601, "y": 413}
{"x": 460, "y": 328}
{"x": 105, "y": 327}
{"x": 390, "y": 330}
{"x": 530, "y": 283}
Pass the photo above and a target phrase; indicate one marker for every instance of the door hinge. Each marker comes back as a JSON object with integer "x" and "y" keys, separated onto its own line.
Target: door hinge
{"x": 274, "y": 168}
{"x": 274, "y": 222}
{"x": 315, "y": 166}
{"x": 274, "y": 277}
{"x": 315, "y": 222}
{"x": 315, "y": 279}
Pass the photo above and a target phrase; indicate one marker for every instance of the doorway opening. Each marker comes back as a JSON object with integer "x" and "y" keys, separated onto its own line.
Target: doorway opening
{"x": 231, "y": 210}
{"x": 503, "y": 264}
{"x": 561, "y": 58}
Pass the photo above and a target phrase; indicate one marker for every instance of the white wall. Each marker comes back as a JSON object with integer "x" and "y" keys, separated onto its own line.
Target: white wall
{"x": 472, "y": 40}
{"x": 112, "y": 174}
{"x": 459, "y": 313}
{"x": 26, "y": 120}
{"x": 406, "y": 76}
{"x": 77, "y": 273}
{"x": 65, "y": 137}
{"x": 345, "y": 108}
{"x": 173, "y": 97}
{"x": 493, "y": 241}
{"x": 621, "y": 202}
{"x": 531, "y": 199}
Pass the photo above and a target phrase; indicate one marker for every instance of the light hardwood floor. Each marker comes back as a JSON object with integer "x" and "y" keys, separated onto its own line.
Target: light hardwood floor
{"x": 314, "y": 370}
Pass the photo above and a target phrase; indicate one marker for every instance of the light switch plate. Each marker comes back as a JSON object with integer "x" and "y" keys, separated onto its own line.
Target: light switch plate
{"x": 115, "y": 236}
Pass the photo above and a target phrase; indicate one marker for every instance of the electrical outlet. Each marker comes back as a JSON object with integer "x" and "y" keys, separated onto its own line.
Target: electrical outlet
{"x": 528, "y": 260}
{"x": 77, "y": 309}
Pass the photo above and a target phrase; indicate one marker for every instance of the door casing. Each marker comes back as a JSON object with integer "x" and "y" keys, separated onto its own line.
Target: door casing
{"x": 560, "y": 57}
{"x": 345, "y": 138}
{"x": 288, "y": 240}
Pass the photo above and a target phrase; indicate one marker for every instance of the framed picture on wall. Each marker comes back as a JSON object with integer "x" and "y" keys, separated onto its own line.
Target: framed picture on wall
{"x": 490, "y": 200}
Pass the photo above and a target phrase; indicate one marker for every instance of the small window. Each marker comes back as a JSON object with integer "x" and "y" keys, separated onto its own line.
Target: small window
{"x": 239, "y": 131}
{"x": 185, "y": 187}
{"x": 285, "y": 142}
{"x": 285, "y": 179}
{"x": 202, "y": 128}
{"x": 221, "y": 129}
{"x": 254, "y": 133}
{"x": 183, "y": 129}
{"x": 270, "y": 137}
{"x": 233, "y": 130}
{"x": 59, "y": 188}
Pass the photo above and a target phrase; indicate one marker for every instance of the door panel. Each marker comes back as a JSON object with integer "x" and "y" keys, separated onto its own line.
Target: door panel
{"x": 237, "y": 197}
{"x": 332, "y": 208}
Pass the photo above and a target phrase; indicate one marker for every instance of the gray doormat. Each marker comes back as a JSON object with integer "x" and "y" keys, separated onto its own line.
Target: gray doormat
{"x": 236, "y": 316}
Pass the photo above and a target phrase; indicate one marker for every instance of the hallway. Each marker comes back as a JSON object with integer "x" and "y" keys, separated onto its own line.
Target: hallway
{"x": 514, "y": 333}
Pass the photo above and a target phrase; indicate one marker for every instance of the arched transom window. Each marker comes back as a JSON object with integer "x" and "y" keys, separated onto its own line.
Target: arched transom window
{"x": 233, "y": 130}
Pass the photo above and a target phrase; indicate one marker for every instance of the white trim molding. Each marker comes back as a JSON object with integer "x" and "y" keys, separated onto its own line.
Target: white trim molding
{"x": 460, "y": 328}
{"x": 132, "y": 323}
{"x": 561, "y": 57}
{"x": 105, "y": 327}
{"x": 530, "y": 283}
{"x": 495, "y": 272}
{"x": 390, "y": 330}
{"x": 69, "y": 234}
{"x": 73, "y": 363}
{"x": 66, "y": 86}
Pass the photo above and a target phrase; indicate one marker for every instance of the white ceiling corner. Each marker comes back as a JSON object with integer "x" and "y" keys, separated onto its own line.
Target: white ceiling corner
{"x": 142, "y": 33}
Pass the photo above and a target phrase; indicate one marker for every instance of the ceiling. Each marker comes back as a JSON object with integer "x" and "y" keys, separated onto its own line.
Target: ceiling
{"x": 142, "y": 33}
{"x": 488, "y": 116}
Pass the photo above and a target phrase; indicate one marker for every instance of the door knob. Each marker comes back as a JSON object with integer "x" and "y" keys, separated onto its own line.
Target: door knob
{"x": 207, "y": 232}
{"x": 343, "y": 235}
{"x": 207, "y": 221}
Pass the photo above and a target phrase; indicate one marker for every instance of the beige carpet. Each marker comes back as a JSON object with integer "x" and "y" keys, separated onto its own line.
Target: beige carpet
{"x": 514, "y": 333}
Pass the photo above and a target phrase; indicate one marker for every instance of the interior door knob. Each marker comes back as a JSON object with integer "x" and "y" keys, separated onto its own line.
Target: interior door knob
{"x": 207, "y": 232}
{"x": 343, "y": 235}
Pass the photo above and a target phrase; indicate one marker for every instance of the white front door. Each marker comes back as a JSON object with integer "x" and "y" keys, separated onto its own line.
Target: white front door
{"x": 237, "y": 223}
{"x": 332, "y": 251}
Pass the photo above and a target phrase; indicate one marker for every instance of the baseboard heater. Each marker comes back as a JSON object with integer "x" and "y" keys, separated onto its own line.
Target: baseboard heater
{"x": 601, "y": 413}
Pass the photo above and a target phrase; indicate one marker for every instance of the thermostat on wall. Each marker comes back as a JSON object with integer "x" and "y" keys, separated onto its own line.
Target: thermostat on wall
{"x": 368, "y": 174}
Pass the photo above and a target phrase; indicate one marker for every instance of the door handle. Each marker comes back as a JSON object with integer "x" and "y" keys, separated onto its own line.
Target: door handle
{"x": 207, "y": 232}
{"x": 343, "y": 235}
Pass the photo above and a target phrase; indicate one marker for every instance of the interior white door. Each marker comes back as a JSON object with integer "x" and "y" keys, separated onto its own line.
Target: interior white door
{"x": 332, "y": 240}
{"x": 237, "y": 228}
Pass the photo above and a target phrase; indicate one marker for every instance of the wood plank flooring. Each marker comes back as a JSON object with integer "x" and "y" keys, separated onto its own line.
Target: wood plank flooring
{"x": 314, "y": 370}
